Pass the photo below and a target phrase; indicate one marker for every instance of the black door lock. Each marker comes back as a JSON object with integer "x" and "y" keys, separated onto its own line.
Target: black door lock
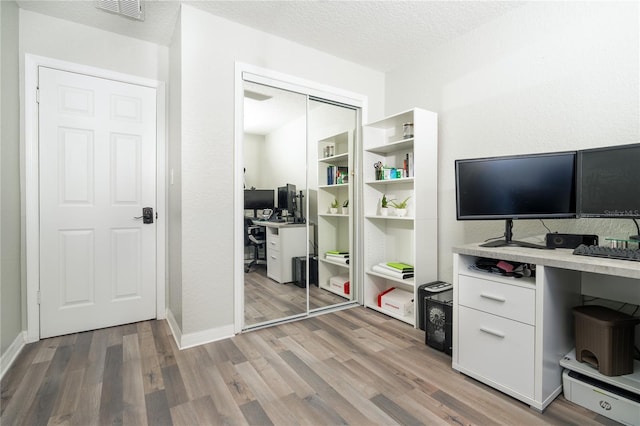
{"x": 147, "y": 215}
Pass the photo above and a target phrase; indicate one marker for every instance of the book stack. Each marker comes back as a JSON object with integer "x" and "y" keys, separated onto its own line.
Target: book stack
{"x": 337, "y": 175}
{"x": 408, "y": 165}
{"x": 337, "y": 256}
{"x": 397, "y": 270}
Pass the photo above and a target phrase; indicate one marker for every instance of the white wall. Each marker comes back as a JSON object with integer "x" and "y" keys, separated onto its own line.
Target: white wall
{"x": 174, "y": 164}
{"x": 68, "y": 41}
{"x": 285, "y": 155}
{"x": 211, "y": 46}
{"x": 11, "y": 306}
{"x": 548, "y": 76}
{"x": 254, "y": 146}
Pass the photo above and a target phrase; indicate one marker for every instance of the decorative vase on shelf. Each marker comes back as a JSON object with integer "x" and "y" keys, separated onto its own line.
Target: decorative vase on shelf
{"x": 401, "y": 212}
{"x": 345, "y": 210}
{"x": 333, "y": 210}
{"x": 384, "y": 211}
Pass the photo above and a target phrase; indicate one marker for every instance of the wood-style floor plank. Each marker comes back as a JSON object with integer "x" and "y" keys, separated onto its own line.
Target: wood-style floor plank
{"x": 111, "y": 403}
{"x": 354, "y": 366}
{"x": 239, "y": 389}
{"x": 158, "y": 413}
{"x": 255, "y": 414}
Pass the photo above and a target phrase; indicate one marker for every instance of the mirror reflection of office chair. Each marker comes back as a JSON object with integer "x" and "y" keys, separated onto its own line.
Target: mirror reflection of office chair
{"x": 254, "y": 237}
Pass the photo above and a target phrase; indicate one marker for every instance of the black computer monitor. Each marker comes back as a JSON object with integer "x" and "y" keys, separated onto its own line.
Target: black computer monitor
{"x": 259, "y": 199}
{"x": 609, "y": 182}
{"x": 287, "y": 198}
{"x": 533, "y": 186}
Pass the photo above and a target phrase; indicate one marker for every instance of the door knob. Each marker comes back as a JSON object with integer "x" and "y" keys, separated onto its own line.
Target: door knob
{"x": 147, "y": 215}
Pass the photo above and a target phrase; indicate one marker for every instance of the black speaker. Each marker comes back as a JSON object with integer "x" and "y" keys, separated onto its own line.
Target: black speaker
{"x": 571, "y": 241}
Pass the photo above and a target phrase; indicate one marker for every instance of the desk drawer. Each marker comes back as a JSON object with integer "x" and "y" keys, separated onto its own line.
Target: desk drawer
{"x": 509, "y": 301}
{"x": 274, "y": 265}
{"x": 497, "y": 349}
{"x": 273, "y": 239}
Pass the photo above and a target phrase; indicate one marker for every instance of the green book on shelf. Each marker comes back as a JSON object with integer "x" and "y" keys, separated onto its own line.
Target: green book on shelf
{"x": 337, "y": 252}
{"x": 404, "y": 267}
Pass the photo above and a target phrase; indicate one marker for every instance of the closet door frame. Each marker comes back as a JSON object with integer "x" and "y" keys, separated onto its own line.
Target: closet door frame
{"x": 251, "y": 73}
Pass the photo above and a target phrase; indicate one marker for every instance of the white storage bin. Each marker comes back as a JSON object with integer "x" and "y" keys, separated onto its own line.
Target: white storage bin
{"x": 398, "y": 301}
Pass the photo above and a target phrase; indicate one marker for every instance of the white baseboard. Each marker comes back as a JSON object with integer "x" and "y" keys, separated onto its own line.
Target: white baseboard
{"x": 189, "y": 340}
{"x": 12, "y": 352}
{"x": 173, "y": 325}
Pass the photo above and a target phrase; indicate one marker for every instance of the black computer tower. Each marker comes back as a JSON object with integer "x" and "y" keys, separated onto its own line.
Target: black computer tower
{"x": 299, "y": 270}
{"x": 428, "y": 290}
{"x": 438, "y": 318}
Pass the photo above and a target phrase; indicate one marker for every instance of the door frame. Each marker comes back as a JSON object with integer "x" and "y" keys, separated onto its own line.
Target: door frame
{"x": 255, "y": 74}
{"x": 31, "y": 180}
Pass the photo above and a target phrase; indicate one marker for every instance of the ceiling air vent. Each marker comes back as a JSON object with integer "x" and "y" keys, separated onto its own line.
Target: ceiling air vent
{"x": 129, "y": 8}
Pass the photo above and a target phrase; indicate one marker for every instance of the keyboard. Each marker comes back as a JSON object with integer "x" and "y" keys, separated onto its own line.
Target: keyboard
{"x": 608, "y": 252}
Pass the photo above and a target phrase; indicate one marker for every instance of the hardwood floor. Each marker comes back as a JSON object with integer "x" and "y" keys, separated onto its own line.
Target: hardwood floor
{"x": 266, "y": 300}
{"x": 353, "y": 367}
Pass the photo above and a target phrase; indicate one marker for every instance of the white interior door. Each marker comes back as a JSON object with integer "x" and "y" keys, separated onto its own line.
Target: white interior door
{"x": 97, "y": 151}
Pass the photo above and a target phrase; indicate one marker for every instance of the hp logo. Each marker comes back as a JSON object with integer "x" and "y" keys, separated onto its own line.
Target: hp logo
{"x": 605, "y": 405}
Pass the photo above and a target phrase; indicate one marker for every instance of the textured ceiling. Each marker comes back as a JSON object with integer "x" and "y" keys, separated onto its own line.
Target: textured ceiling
{"x": 378, "y": 34}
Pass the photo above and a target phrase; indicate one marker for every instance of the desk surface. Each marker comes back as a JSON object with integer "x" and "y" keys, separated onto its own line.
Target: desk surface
{"x": 278, "y": 224}
{"x": 558, "y": 258}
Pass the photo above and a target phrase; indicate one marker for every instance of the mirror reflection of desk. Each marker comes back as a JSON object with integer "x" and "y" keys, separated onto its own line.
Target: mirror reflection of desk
{"x": 284, "y": 242}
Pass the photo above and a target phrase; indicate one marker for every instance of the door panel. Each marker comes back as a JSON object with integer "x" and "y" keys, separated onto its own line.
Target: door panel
{"x": 97, "y": 150}
{"x": 76, "y": 268}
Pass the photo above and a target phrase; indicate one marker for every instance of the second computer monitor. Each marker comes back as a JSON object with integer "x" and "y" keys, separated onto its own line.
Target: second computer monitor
{"x": 287, "y": 198}
{"x": 609, "y": 182}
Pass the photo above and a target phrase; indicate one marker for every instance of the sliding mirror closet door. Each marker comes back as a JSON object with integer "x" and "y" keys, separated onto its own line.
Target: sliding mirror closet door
{"x": 275, "y": 199}
{"x": 333, "y": 205}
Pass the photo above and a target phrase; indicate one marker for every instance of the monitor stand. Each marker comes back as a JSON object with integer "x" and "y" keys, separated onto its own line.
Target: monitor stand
{"x": 508, "y": 241}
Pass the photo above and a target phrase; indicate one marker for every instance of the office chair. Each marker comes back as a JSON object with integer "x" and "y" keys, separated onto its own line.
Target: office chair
{"x": 254, "y": 237}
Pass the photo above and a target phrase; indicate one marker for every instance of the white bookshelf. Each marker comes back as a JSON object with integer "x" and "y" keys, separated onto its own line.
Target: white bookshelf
{"x": 335, "y": 230}
{"x": 412, "y": 238}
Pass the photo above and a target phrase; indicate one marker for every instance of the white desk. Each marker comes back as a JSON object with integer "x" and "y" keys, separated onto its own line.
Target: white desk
{"x": 511, "y": 333}
{"x": 284, "y": 242}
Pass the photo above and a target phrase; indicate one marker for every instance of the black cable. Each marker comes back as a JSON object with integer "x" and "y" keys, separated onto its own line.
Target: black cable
{"x": 493, "y": 238}
{"x": 637, "y": 236}
{"x": 542, "y": 221}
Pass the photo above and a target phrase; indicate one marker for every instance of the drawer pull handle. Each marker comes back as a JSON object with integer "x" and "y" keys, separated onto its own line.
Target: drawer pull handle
{"x": 492, "y": 297}
{"x": 492, "y": 332}
{"x": 273, "y": 257}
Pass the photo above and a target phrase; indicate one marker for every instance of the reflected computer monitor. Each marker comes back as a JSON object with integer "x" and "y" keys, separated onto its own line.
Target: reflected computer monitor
{"x": 287, "y": 198}
{"x": 259, "y": 199}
